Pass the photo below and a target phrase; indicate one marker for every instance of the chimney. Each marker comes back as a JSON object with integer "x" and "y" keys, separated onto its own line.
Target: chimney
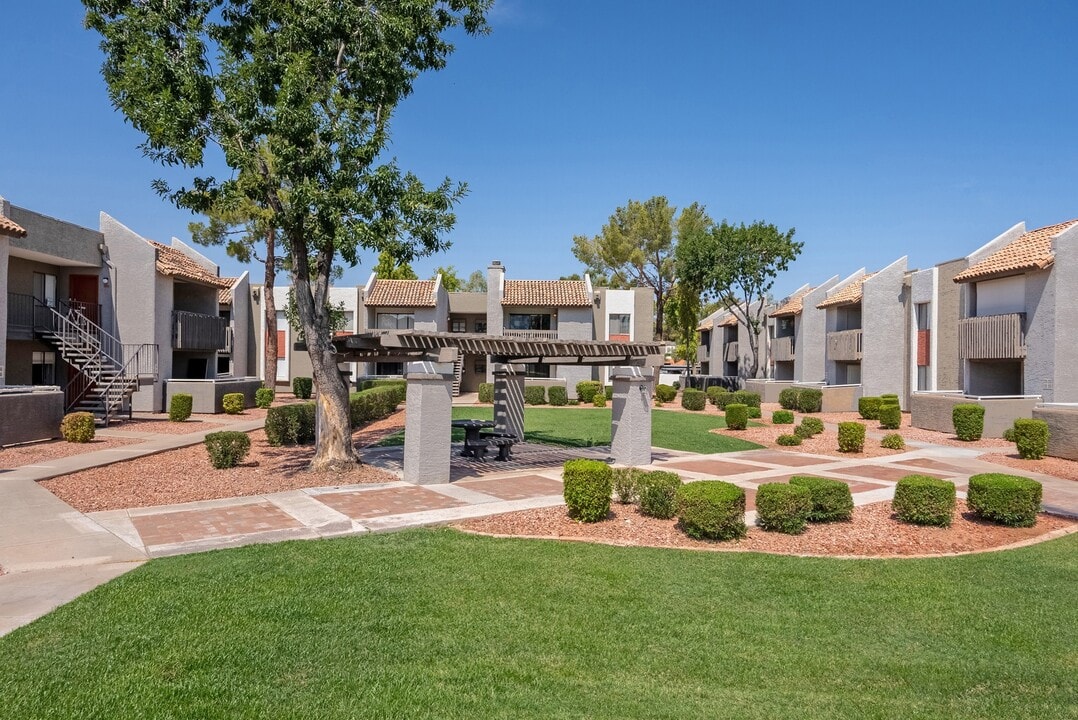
{"x": 495, "y": 293}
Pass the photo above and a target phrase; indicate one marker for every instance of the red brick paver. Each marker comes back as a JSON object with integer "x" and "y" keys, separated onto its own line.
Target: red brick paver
{"x": 360, "y": 504}
{"x": 188, "y": 525}
{"x": 515, "y": 488}
{"x": 892, "y": 473}
{"x": 935, "y": 465}
{"x": 777, "y": 457}
{"x": 718, "y": 468}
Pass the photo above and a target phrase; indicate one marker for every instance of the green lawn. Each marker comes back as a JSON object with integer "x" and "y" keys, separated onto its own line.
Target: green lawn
{"x": 584, "y": 427}
{"x": 437, "y": 624}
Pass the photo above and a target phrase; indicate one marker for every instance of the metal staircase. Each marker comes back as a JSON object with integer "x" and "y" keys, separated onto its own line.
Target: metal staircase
{"x": 458, "y": 374}
{"x": 107, "y": 372}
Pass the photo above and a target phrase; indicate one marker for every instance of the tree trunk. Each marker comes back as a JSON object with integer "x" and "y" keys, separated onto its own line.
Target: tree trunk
{"x": 271, "y": 349}
{"x": 660, "y": 306}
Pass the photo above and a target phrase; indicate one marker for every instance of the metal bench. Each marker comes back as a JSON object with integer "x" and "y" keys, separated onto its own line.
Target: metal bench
{"x": 503, "y": 441}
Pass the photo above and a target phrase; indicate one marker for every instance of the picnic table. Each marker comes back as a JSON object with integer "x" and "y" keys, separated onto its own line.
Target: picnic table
{"x": 503, "y": 441}
{"x": 471, "y": 435}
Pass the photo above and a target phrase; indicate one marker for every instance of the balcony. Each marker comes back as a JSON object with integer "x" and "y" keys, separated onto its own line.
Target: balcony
{"x": 992, "y": 337}
{"x": 844, "y": 346}
{"x": 731, "y": 352}
{"x": 782, "y": 349}
{"x": 193, "y": 331}
{"x": 531, "y": 334}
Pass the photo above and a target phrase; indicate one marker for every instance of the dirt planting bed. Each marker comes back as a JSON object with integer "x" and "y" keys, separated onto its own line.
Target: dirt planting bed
{"x": 42, "y": 452}
{"x": 872, "y": 532}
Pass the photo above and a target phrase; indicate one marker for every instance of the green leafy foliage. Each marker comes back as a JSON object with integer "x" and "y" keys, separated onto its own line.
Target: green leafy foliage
{"x": 789, "y": 440}
{"x": 656, "y": 492}
{"x": 587, "y": 488}
{"x": 715, "y": 392}
{"x": 1006, "y": 499}
{"x": 692, "y": 399}
{"x": 924, "y": 500}
{"x": 810, "y": 400}
{"x": 747, "y": 398}
{"x": 869, "y": 408}
{"x": 665, "y": 393}
{"x": 227, "y": 448}
{"x": 558, "y": 396}
{"x": 625, "y": 482}
{"x": 788, "y": 398}
{"x": 968, "y": 419}
{"x": 233, "y": 403}
{"x": 783, "y": 508}
{"x": 302, "y": 387}
{"x": 77, "y": 427}
{"x": 1031, "y": 438}
{"x": 851, "y": 437}
{"x": 711, "y": 510}
{"x": 1008, "y": 434}
{"x": 264, "y": 397}
{"x": 609, "y": 392}
{"x": 893, "y": 441}
{"x": 889, "y": 415}
{"x": 599, "y": 400}
{"x": 831, "y": 499}
{"x": 179, "y": 407}
{"x": 782, "y": 417}
{"x": 586, "y": 390}
{"x": 814, "y": 426}
{"x": 291, "y": 424}
{"x": 737, "y": 416}
{"x": 755, "y": 413}
{"x": 535, "y": 395}
{"x": 374, "y": 404}
{"x": 486, "y": 392}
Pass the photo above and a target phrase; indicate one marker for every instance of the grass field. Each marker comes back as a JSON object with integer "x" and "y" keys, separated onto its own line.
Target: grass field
{"x": 584, "y": 427}
{"x": 437, "y": 624}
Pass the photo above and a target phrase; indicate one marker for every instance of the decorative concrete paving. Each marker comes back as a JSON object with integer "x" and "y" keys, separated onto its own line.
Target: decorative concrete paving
{"x": 169, "y": 527}
{"x": 364, "y": 504}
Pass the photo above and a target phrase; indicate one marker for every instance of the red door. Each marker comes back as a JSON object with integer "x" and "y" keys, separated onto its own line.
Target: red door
{"x": 82, "y": 289}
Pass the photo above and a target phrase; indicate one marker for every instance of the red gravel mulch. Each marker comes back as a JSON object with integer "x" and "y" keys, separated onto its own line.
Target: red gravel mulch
{"x": 42, "y": 452}
{"x": 1056, "y": 467}
{"x": 872, "y": 532}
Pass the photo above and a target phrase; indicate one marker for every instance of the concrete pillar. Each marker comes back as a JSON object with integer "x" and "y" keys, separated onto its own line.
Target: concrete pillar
{"x": 508, "y": 400}
{"x": 427, "y": 430}
{"x": 4, "y": 252}
{"x": 631, "y": 427}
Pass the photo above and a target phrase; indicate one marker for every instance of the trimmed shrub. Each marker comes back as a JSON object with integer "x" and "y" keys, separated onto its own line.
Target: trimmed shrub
{"x": 693, "y": 399}
{"x": 264, "y": 397}
{"x": 831, "y": 499}
{"x": 78, "y": 427}
{"x": 655, "y": 493}
{"x": 486, "y": 392}
{"x": 924, "y": 500}
{"x": 373, "y": 404}
{"x": 893, "y": 441}
{"x": 291, "y": 424}
{"x": 719, "y": 396}
{"x": 889, "y": 396}
{"x": 1008, "y": 434}
{"x": 586, "y": 389}
{"x": 179, "y": 407}
{"x": 737, "y": 416}
{"x": 558, "y": 396}
{"x": 233, "y": 403}
{"x": 624, "y": 481}
{"x": 889, "y": 415}
{"x": 587, "y": 487}
{"x": 788, "y": 398}
{"x": 665, "y": 393}
{"x": 609, "y": 392}
{"x": 810, "y": 400}
{"x": 851, "y": 437}
{"x": 227, "y": 448}
{"x": 535, "y": 395}
{"x": 813, "y": 425}
{"x": 782, "y": 417}
{"x": 302, "y": 387}
{"x": 1031, "y": 437}
{"x": 711, "y": 510}
{"x": 745, "y": 397}
{"x": 869, "y": 408}
{"x": 788, "y": 440}
{"x": 803, "y": 431}
{"x": 599, "y": 400}
{"x": 783, "y": 508}
{"x": 968, "y": 420}
{"x": 755, "y": 413}
{"x": 1007, "y": 499}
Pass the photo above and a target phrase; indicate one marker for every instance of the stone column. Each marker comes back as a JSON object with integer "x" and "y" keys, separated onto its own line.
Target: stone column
{"x": 631, "y": 427}
{"x": 508, "y": 400}
{"x": 427, "y": 430}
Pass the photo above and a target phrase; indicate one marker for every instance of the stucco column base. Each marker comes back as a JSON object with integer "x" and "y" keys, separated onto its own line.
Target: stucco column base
{"x": 508, "y": 400}
{"x": 631, "y": 427}
{"x": 427, "y": 430}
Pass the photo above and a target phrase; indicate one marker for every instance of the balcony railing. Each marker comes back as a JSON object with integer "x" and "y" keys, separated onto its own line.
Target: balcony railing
{"x": 193, "y": 331}
{"x": 731, "y": 352}
{"x": 782, "y": 349}
{"x": 531, "y": 334}
{"x": 992, "y": 337}
{"x": 844, "y": 346}
{"x": 703, "y": 354}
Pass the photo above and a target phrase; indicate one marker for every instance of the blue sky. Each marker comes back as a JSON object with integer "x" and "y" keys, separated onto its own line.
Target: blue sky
{"x": 912, "y": 128}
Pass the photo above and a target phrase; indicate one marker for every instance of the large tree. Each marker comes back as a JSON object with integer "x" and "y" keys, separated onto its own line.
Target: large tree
{"x": 450, "y": 280}
{"x": 737, "y": 266}
{"x": 315, "y": 84}
{"x": 636, "y": 248}
{"x": 389, "y": 267}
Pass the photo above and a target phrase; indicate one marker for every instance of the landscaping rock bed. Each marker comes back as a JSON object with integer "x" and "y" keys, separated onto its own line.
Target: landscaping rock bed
{"x": 1056, "y": 467}
{"x": 42, "y": 452}
{"x": 872, "y": 532}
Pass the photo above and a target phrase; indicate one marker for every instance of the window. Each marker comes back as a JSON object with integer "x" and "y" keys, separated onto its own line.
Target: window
{"x": 786, "y": 326}
{"x": 481, "y": 326}
{"x": 458, "y": 326}
{"x": 529, "y": 322}
{"x": 924, "y": 320}
{"x": 224, "y": 365}
{"x": 537, "y": 370}
{"x": 620, "y": 324}
{"x": 43, "y": 368}
{"x": 481, "y": 366}
{"x": 45, "y": 288}
{"x": 395, "y": 321}
{"x": 922, "y": 377}
{"x": 389, "y": 368}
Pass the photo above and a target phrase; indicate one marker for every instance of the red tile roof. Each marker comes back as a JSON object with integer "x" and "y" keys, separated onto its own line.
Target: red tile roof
{"x": 793, "y": 304}
{"x": 849, "y": 294}
{"x": 549, "y": 293}
{"x": 175, "y": 263}
{"x": 224, "y": 295}
{"x": 402, "y": 293}
{"x": 10, "y": 227}
{"x": 1031, "y": 251}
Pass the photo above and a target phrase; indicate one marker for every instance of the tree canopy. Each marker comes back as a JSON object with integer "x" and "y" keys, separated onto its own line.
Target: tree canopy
{"x": 389, "y": 268}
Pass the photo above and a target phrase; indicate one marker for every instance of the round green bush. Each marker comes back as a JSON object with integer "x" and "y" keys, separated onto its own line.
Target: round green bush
{"x": 893, "y": 441}
{"x": 609, "y": 392}
{"x": 227, "y": 448}
{"x": 711, "y": 510}
{"x": 264, "y": 397}
{"x": 1008, "y": 434}
{"x": 656, "y": 492}
{"x": 968, "y": 419}
{"x": 486, "y": 392}
{"x": 1007, "y": 499}
{"x": 535, "y": 395}
{"x": 693, "y": 399}
{"x": 803, "y": 431}
{"x": 587, "y": 488}
{"x": 810, "y": 400}
{"x": 598, "y": 400}
{"x": 1031, "y": 438}
{"x": 78, "y": 427}
{"x": 744, "y": 397}
{"x": 755, "y": 413}
{"x": 869, "y": 408}
{"x": 233, "y": 403}
{"x": 558, "y": 396}
{"x": 783, "y": 508}
{"x": 889, "y": 396}
{"x": 179, "y": 407}
{"x": 851, "y": 437}
{"x": 813, "y": 425}
{"x": 788, "y": 440}
{"x": 665, "y": 393}
{"x": 831, "y": 499}
{"x": 924, "y": 500}
{"x": 889, "y": 415}
{"x": 788, "y": 398}
{"x": 302, "y": 387}
{"x": 782, "y": 417}
{"x": 718, "y": 396}
{"x": 586, "y": 390}
{"x": 737, "y": 416}
{"x": 291, "y": 424}
{"x": 625, "y": 482}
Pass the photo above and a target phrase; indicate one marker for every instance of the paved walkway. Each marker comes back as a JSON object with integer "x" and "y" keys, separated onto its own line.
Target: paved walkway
{"x": 54, "y": 553}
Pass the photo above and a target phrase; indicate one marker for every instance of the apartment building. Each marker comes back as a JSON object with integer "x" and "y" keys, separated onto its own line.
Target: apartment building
{"x": 725, "y": 350}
